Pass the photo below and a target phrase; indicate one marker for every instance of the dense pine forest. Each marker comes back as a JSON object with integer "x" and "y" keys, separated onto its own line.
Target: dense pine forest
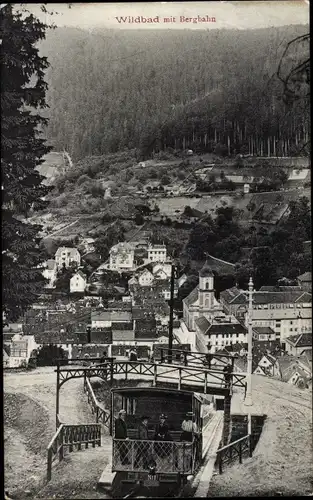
{"x": 213, "y": 90}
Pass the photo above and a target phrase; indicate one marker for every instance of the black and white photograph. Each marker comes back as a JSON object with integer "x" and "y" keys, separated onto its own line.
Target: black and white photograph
{"x": 156, "y": 250}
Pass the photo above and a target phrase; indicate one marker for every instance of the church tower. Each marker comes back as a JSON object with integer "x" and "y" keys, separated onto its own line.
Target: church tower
{"x": 206, "y": 290}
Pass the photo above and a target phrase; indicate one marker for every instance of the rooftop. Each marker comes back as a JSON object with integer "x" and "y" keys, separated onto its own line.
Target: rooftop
{"x": 263, "y": 330}
{"x": 301, "y": 340}
{"x": 66, "y": 249}
{"x": 203, "y": 324}
{"x": 305, "y": 276}
{"x": 192, "y": 297}
{"x": 111, "y": 316}
{"x": 226, "y": 328}
{"x": 236, "y": 296}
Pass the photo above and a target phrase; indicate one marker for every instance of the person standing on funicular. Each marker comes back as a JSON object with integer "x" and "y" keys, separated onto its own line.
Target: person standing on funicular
{"x": 190, "y": 435}
{"x": 162, "y": 435}
{"x": 121, "y": 433}
{"x": 143, "y": 451}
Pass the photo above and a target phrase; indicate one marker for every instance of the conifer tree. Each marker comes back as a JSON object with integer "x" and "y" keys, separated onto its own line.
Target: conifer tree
{"x": 23, "y": 92}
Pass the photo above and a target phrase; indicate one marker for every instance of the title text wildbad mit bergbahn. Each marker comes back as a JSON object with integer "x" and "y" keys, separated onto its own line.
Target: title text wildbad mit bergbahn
{"x": 171, "y": 19}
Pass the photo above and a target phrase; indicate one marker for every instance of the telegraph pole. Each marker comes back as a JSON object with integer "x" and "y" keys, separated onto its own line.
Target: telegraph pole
{"x": 170, "y": 325}
{"x": 248, "y": 398}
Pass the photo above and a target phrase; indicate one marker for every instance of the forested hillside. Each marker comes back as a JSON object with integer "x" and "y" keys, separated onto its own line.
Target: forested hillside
{"x": 212, "y": 90}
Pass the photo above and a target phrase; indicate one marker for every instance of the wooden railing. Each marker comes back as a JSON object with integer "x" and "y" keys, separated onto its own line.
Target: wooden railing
{"x": 71, "y": 437}
{"x": 199, "y": 377}
{"x": 237, "y": 449}
{"x": 191, "y": 358}
{"x": 102, "y": 415}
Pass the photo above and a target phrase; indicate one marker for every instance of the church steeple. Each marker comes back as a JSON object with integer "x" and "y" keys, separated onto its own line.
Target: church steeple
{"x": 206, "y": 288}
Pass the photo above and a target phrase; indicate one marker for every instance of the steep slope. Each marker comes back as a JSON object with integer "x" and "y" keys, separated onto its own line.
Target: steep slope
{"x": 282, "y": 461}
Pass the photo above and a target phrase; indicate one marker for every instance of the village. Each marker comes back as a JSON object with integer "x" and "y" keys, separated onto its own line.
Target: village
{"x": 135, "y": 314}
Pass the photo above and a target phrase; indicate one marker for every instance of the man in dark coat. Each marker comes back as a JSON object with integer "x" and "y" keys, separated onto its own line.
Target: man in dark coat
{"x": 133, "y": 355}
{"x": 121, "y": 433}
{"x": 227, "y": 374}
{"x": 142, "y": 454}
{"x": 162, "y": 434}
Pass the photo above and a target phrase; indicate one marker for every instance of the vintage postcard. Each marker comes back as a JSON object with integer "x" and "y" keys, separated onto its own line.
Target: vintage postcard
{"x": 156, "y": 248}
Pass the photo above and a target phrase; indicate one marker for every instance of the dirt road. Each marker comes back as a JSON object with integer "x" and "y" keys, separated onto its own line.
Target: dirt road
{"x": 29, "y": 424}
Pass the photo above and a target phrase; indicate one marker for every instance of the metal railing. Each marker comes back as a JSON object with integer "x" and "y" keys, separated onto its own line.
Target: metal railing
{"x": 162, "y": 456}
{"x": 236, "y": 450}
{"x": 71, "y": 437}
{"x": 102, "y": 415}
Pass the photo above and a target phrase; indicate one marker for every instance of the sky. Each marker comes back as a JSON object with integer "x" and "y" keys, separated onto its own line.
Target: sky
{"x": 227, "y": 14}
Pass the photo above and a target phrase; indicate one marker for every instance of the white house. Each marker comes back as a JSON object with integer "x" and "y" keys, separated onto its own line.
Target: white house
{"x": 157, "y": 253}
{"x": 268, "y": 365}
{"x": 104, "y": 319}
{"x": 65, "y": 256}
{"x": 122, "y": 257}
{"x": 211, "y": 336}
{"x": 162, "y": 270}
{"x": 263, "y": 333}
{"x": 78, "y": 282}
{"x": 145, "y": 278}
{"x": 50, "y": 272}
{"x": 297, "y": 344}
{"x": 133, "y": 281}
{"x": 88, "y": 245}
{"x": 21, "y": 348}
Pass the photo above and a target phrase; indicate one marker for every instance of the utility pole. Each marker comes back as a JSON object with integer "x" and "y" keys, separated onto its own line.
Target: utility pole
{"x": 170, "y": 325}
{"x": 248, "y": 398}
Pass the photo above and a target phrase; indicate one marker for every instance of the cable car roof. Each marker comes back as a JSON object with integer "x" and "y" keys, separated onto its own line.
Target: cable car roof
{"x": 153, "y": 390}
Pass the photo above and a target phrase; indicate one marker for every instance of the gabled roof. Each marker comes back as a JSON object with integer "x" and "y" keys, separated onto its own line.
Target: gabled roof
{"x": 289, "y": 297}
{"x": 192, "y": 297}
{"x": 203, "y": 324}
{"x": 280, "y": 288}
{"x": 226, "y": 328}
{"x": 305, "y": 276}
{"x": 234, "y": 296}
{"x": 81, "y": 274}
{"x": 289, "y": 365}
{"x": 263, "y": 330}
{"x": 301, "y": 340}
{"x": 145, "y": 271}
{"x": 157, "y": 247}
{"x": 72, "y": 250}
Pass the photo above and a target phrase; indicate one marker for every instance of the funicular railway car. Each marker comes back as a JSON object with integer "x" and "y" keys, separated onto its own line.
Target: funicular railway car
{"x": 159, "y": 462}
